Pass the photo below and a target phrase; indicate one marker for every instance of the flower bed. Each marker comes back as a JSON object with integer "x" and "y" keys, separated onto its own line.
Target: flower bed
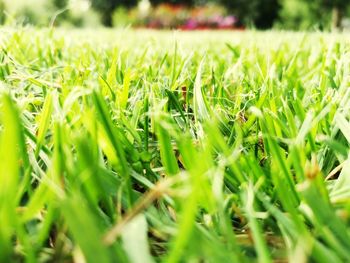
{"x": 167, "y": 16}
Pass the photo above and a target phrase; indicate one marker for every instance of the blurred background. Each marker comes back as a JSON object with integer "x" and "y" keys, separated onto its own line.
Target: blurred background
{"x": 180, "y": 14}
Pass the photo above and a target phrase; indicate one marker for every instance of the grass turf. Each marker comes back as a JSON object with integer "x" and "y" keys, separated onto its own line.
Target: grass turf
{"x": 144, "y": 146}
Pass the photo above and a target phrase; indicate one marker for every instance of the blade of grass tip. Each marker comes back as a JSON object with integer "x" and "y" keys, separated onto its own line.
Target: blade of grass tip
{"x": 274, "y": 110}
{"x": 337, "y": 147}
{"x": 291, "y": 231}
{"x": 343, "y": 125}
{"x": 342, "y": 184}
{"x": 238, "y": 99}
{"x": 324, "y": 216}
{"x": 40, "y": 197}
{"x": 290, "y": 119}
{"x": 284, "y": 177}
{"x": 146, "y": 122}
{"x": 343, "y": 181}
{"x": 173, "y": 65}
{"x": 282, "y": 181}
{"x": 218, "y": 143}
{"x": 175, "y": 101}
{"x": 103, "y": 83}
{"x": 259, "y": 240}
{"x": 164, "y": 58}
{"x": 131, "y": 129}
{"x": 50, "y": 218}
{"x": 201, "y": 109}
{"x": 199, "y": 171}
{"x": 53, "y": 184}
{"x": 135, "y": 240}
{"x": 97, "y": 186}
{"x": 56, "y": 174}
{"x": 112, "y": 133}
{"x": 323, "y": 254}
{"x": 298, "y": 157}
{"x": 24, "y": 187}
{"x": 166, "y": 149}
{"x": 250, "y": 122}
{"x": 83, "y": 226}
{"x": 10, "y": 140}
{"x": 234, "y": 50}
{"x": 44, "y": 122}
{"x": 188, "y": 214}
{"x": 123, "y": 94}
{"x": 185, "y": 228}
{"x": 305, "y": 128}
{"x": 33, "y": 138}
{"x": 111, "y": 74}
{"x": 193, "y": 161}
{"x": 182, "y": 66}
{"x": 224, "y": 219}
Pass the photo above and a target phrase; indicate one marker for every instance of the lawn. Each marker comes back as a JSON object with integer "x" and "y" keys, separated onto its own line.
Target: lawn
{"x": 145, "y": 146}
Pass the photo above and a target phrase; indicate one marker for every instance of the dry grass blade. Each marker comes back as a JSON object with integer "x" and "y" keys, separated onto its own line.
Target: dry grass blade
{"x": 160, "y": 189}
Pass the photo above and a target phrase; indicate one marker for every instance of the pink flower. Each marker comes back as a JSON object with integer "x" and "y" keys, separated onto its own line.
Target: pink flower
{"x": 228, "y": 22}
{"x": 191, "y": 24}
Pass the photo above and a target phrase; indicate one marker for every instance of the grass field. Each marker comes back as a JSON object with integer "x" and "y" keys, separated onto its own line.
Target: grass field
{"x": 142, "y": 146}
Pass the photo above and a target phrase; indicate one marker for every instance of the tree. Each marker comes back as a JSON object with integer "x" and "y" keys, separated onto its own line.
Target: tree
{"x": 337, "y": 8}
{"x": 60, "y": 4}
{"x": 107, "y": 7}
{"x": 2, "y": 12}
{"x": 261, "y": 13}
{"x": 323, "y": 13}
{"x": 176, "y": 2}
{"x": 298, "y": 15}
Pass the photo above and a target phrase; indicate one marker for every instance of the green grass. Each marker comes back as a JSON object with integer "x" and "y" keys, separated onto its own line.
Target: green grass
{"x": 141, "y": 146}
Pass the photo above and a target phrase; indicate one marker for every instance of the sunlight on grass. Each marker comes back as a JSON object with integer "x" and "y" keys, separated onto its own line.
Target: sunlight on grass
{"x": 145, "y": 146}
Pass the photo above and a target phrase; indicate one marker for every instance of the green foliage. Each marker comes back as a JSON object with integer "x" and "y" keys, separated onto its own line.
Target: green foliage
{"x": 302, "y": 14}
{"x": 107, "y": 7}
{"x": 144, "y": 146}
{"x": 176, "y": 2}
{"x": 2, "y": 12}
{"x": 261, "y": 13}
{"x": 60, "y": 4}
{"x": 121, "y": 17}
{"x": 32, "y": 12}
{"x": 333, "y": 3}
